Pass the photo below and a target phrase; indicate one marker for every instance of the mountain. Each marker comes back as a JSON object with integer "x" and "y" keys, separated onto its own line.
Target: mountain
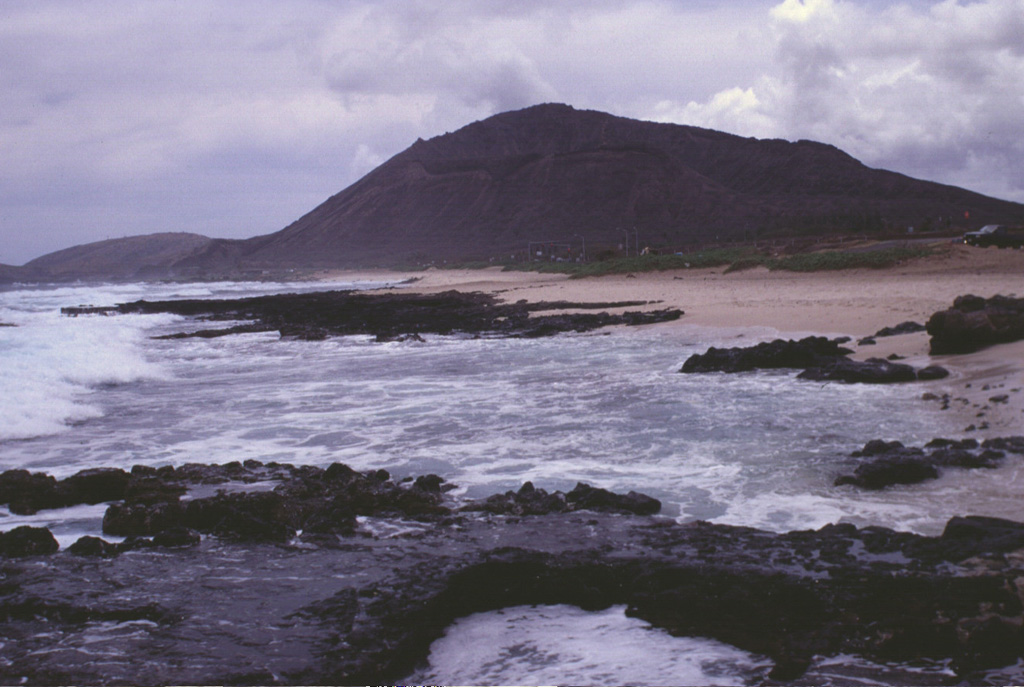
{"x": 152, "y": 256}
{"x": 10, "y": 274}
{"x": 550, "y": 172}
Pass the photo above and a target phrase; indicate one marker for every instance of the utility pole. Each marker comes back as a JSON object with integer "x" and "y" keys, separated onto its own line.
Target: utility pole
{"x": 583, "y": 253}
{"x": 626, "y": 232}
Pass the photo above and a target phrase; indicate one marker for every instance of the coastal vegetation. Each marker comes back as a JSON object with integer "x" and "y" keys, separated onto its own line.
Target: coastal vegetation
{"x": 732, "y": 259}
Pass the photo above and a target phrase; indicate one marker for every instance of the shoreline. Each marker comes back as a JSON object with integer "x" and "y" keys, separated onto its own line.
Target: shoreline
{"x": 855, "y": 303}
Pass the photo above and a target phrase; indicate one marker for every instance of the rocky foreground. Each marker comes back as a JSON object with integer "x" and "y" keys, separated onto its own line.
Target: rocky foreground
{"x": 275, "y": 574}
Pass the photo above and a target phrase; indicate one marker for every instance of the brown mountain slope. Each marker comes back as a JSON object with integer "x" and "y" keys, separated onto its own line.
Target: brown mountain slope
{"x": 550, "y": 172}
{"x": 132, "y": 257}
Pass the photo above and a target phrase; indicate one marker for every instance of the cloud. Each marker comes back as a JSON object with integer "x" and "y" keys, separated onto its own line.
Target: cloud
{"x": 932, "y": 90}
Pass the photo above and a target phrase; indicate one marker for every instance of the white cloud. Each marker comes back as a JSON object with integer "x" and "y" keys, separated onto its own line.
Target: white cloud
{"x": 934, "y": 91}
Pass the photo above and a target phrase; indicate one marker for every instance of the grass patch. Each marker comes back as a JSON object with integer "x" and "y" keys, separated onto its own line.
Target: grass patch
{"x": 643, "y": 263}
{"x": 847, "y": 260}
{"x": 734, "y": 259}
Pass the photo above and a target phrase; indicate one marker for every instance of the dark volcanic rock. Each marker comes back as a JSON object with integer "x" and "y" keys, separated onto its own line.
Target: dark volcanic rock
{"x": 296, "y": 498}
{"x": 809, "y": 352}
{"x": 870, "y": 371}
{"x": 932, "y": 372}
{"x": 93, "y": 547}
{"x": 27, "y": 541}
{"x": 893, "y": 463}
{"x": 585, "y": 497}
{"x": 389, "y": 316}
{"x": 890, "y": 470}
{"x": 1009, "y": 444}
{"x": 530, "y": 500}
{"x": 822, "y": 360}
{"x": 527, "y": 501}
{"x": 95, "y": 485}
{"x": 907, "y": 327}
{"x": 974, "y": 323}
{"x": 366, "y": 612}
{"x": 28, "y": 493}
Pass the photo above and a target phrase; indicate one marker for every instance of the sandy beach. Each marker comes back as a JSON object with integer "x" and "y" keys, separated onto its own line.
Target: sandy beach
{"x": 855, "y": 303}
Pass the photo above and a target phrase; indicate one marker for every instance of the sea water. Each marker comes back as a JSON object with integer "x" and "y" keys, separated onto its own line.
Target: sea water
{"x": 609, "y": 408}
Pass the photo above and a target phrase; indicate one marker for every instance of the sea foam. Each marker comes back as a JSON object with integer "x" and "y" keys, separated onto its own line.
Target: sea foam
{"x": 51, "y": 366}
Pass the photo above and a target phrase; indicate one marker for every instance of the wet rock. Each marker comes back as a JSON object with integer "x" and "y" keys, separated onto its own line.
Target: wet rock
{"x": 994, "y": 533}
{"x": 96, "y": 485}
{"x": 966, "y": 444}
{"x": 27, "y": 493}
{"x": 392, "y": 316}
{"x": 142, "y": 519}
{"x": 890, "y": 470}
{"x": 530, "y": 500}
{"x": 778, "y": 354}
{"x": 870, "y": 371}
{"x": 987, "y": 643}
{"x": 431, "y": 483}
{"x": 893, "y": 463}
{"x": 1008, "y": 444}
{"x": 176, "y": 537}
{"x": 262, "y": 516}
{"x": 962, "y": 458}
{"x": 27, "y": 541}
{"x": 908, "y": 327}
{"x": 974, "y": 323}
{"x": 306, "y": 498}
{"x": 585, "y": 497}
{"x": 821, "y": 359}
{"x": 877, "y": 447}
{"x": 932, "y": 372}
{"x": 93, "y": 547}
{"x": 366, "y": 613}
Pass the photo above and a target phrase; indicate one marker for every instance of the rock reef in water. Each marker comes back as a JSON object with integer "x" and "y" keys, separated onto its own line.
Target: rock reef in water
{"x": 820, "y": 358}
{"x": 974, "y": 323}
{"x": 889, "y": 463}
{"x": 811, "y": 351}
{"x": 359, "y": 597}
{"x": 391, "y": 315}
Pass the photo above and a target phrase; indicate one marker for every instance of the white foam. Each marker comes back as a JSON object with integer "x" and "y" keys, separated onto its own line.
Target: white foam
{"x": 565, "y": 645}
{"x": 51, "y": 364}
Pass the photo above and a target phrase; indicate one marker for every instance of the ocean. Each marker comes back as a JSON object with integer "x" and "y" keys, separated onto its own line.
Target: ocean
{"x": 608, "y": 408}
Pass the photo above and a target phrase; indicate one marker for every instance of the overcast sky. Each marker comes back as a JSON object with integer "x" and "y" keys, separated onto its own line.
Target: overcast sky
{"x": 232, "y": 119}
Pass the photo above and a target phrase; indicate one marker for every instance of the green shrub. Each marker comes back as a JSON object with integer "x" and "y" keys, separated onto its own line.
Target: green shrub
{"x": 846, "y": 260}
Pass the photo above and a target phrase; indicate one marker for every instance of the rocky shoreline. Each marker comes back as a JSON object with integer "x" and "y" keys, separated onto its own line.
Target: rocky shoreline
{"x": 819, "y": 358}
{"x": 389, "y": 315}
{"x": 276, "y": 574}
{"x": 268, "y": 573}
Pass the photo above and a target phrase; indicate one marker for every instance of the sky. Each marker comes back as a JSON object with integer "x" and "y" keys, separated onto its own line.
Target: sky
{"x": 234, "y": 118}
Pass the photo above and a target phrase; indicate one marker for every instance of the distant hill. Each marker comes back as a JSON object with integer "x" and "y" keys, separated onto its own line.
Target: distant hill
{"x": 550, "y": 172}
{"x": 553, "y": 173}
{"x": 152, "y": 256}
{"x": 10, "y": 274}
